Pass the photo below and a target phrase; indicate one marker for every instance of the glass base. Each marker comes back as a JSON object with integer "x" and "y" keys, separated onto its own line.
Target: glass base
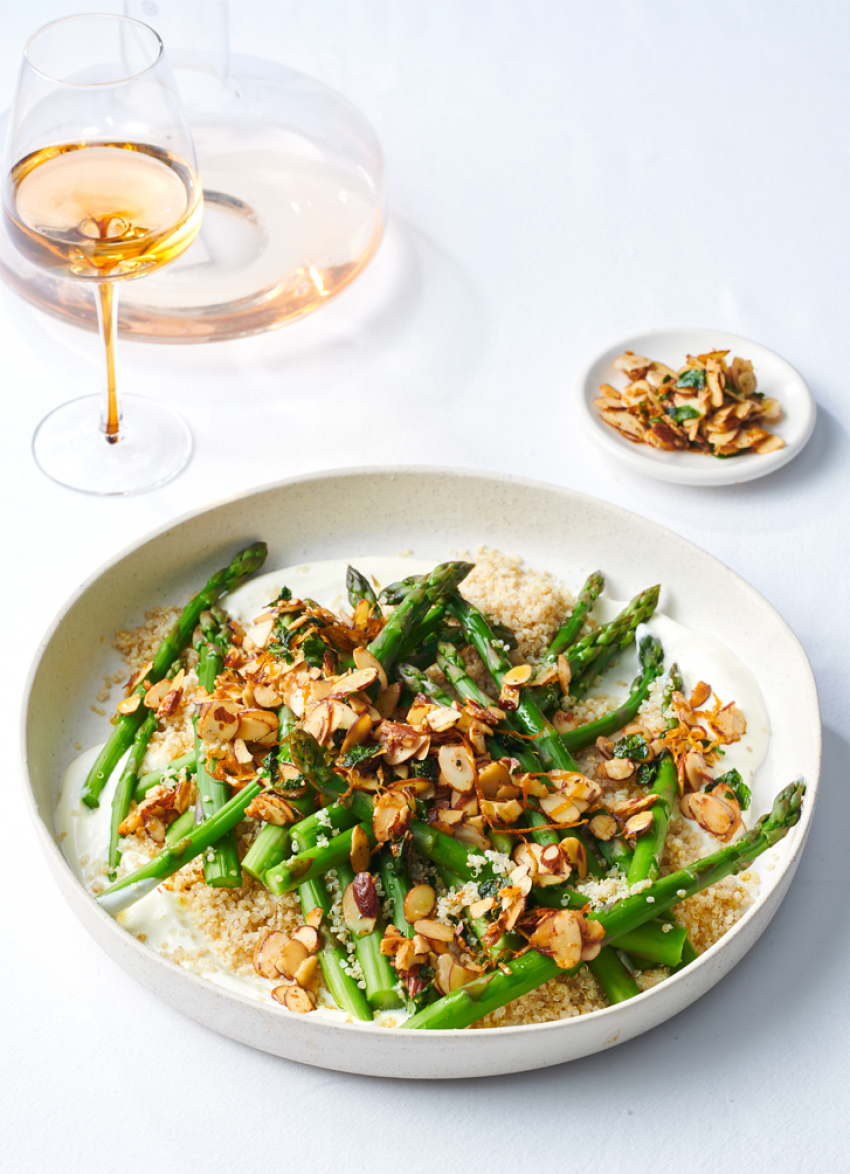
{"x": 153, "y": 445}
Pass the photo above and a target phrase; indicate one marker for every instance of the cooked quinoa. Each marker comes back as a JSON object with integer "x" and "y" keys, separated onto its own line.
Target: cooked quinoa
{"x": 532, "y": 603}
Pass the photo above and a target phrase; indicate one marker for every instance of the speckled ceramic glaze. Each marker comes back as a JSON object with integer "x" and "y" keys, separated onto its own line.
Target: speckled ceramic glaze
{"x": 431, "y": 512}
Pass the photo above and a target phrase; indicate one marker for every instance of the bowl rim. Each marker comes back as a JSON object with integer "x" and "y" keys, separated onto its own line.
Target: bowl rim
{"x": 57, "y": 858}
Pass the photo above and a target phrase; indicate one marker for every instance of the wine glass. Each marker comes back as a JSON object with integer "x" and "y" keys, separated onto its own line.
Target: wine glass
{"x": 102, "y": 186}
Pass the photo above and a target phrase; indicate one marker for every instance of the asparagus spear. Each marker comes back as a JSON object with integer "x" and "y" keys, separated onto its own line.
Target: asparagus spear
{"x": 492, "y": 990}
{"x": 333, "y": 958}
{"x": 436, "y": 845}
{"x": 381, "y": 980}
{"x": 614, "y": 979}
{"x": 177, "y": 854}
{"x": 272, "y": 843}
{"x": 397, "y": 884}
{"x": 547, "y": 745}
{"x": 616, "y": 633}
{"x": 244, "y": 564}
{"x": 393, "y": 594}
{"x": 422, "y": 596}
{"x": 313, "y": 861}
{"x": 650, "y": 844}
{"x": 358, "y": 587}
{"x": 568, "y": 632}
{"x": 651, "y": 658}
{"x": 153, "y": 778}
{"x": 221, "y": 861}
{"x": 126, "y": 787}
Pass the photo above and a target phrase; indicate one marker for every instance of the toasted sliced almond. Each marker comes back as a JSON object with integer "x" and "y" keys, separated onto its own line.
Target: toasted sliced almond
{"x": 355, "y": 681}
{"x": 479, "y": 908}
{"x": 563, "y": 722}
{"x": 361, "y": 851}
{"x": 419, "y": 903}
{"x": 308, "y": 935}
{"x": 307, "y": 973}
{"x": 695, "y": 772}
{"x": 638, "y": 824}
{"x": 266, "y": 696}
{"x": 617, "y": 769}
{"x": 493, "y": 778}
{"x": 713, "y": 814}
{"x": 218, "y": 721}
{"x": 129, "y": 704}
{"x": 603, "y": 826}
{"x": 157, "y": 693}
{"x": 360, "y": 905}
{"x": 449, "y": 975}
{"x": 391, "y": 816}
{"x": 434, "y": 931}
{"x": 268, "y": 953}
{"x": 442, "y": 718}
{"x": 559, "y": 809}
{"x": 729, "y": 722}
{"x": 314, "y": 917}
{"x": 258, "y": 633}
{"x": 364, "y": 659}
{"x": 388, "y": 700}
{"x": 258, "y": 725}
{"x": 357, "y": 733}
{"x": 290, "y": 957}
{"x": 271, "y": 808}
{"x": 457, "y": 767}
{"x": 294, "y": 998}
{"x": 521, "y": 674}
{"x": 559, "y": 938}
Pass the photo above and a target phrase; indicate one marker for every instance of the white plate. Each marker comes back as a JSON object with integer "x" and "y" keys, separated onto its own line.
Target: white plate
{"x": 384, "y": 511}
{"x": 776, "y": 378}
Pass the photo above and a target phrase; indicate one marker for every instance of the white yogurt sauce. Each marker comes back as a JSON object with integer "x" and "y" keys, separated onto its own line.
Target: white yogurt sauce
{"x": 162, "y": 920}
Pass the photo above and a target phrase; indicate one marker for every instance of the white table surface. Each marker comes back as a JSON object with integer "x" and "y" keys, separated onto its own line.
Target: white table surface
{"x": 561, "y": 175}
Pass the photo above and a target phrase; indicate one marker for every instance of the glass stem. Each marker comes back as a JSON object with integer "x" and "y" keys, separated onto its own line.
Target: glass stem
{"x": 107, "y": 320}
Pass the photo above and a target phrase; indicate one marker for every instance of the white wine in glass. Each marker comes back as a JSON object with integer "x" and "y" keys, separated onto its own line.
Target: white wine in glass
{"x": 101, "y": 186}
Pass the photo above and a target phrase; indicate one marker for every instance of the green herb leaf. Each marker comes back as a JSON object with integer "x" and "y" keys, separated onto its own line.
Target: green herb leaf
{"x": 313, "y": 648}
{"x": 684, "y": 412}
{"x": 426, "y": 769}
{"x": 693, "y": 377}
{"x": 357, "y": 754}
{"x": 646, "y": 774}
{"x": 733, "y": 780}
{"x": 633, "y": 747}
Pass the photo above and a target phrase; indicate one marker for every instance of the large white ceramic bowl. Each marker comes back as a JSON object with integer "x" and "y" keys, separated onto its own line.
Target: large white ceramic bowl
{"x": 385, "y": 511}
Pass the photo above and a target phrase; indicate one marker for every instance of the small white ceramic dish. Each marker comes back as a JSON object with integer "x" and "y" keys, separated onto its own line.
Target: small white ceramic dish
{"x": 776, "y": 378}
{"x": 384, "y": 511}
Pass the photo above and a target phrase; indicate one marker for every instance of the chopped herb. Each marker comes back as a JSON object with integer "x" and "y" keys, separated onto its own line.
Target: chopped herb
{"x": 633, "y": 747}
{"x": 646, "y": 774}
{"x": 426, "y": 769}
{"x": 357, "y": 754}
{"x": 313, "y": 648}
{"x": 684, "y": 412}
{"x": 693, "y": 377}
{"x": 732, "y": 779}
{"x": 489, "y": 888}
{"x": 284, "y": 597}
